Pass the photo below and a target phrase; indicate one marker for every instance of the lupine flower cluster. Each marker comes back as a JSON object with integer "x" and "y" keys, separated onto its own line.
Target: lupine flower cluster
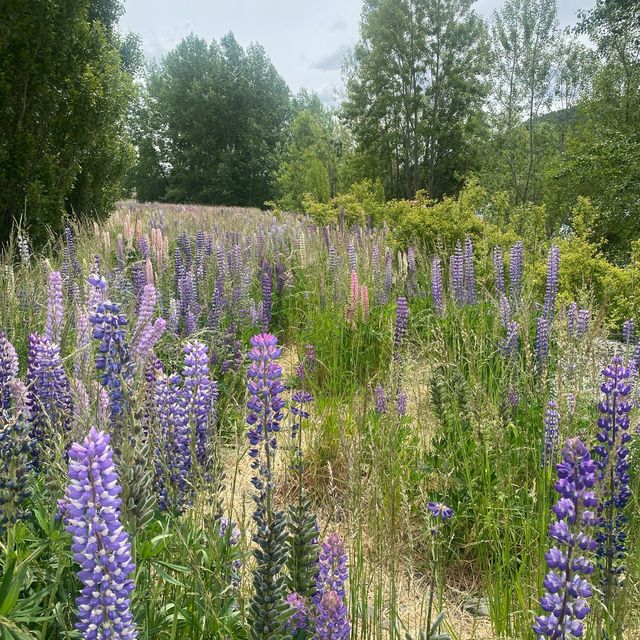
{"x": 436, "y": 286}
{"x": 264, "y": 415}
{"x": 101, "y": 546}
{"x": 516, "y": 269}
{"x": 551, "y": 432}
{"x": 565, "y": 600}
{"x": 612, "y": 459}
{"x": 456, "y": 270}
{"x": 553, "y": 265}
{"x": 113, "y": 360}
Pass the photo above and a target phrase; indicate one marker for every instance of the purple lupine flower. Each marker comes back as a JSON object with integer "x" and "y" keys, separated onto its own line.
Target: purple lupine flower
{"x": 388, "y": 276}
{"x": 551, "y": 432}
{"x": 332, "y": 618}
{"x": 411, "y": 261}
{"x": 299, "y": 619}
{"x": 281, "y": 277}
{"x": 401, "y": 403}
{"x": 333, "y": 569}
{"x": 553, "y": 265}
{"x": 55, "y": 308}
{"x": 402, "y": 316}
{"x": 565, "y": 600}
{"x": 542, "y": 341}
{"x": 508, "y": 345}
{"x": 456, "y": 271}
{"x": 83, "y": 340}
{"x": 440, "y": 510}
{"x": 143, "y": 246}
{"x": 8, "y": 371}
{"x": 380, "y": 400}
{"x": 100, "y": 544}
{"x": 265, "y": 404}
{"x": 150, "y": 335}
{"x": 469, "y": 273}
{"x": 353, "y": 263}
{"x": 583, "y": 322}
{"x": 202, "y": 395}
{"x": 628, "y": 332}
{"x": 498, "y": 271}
{"x": 217, "y": 305}
{"x": 516, "y": 267}
{"x": 138, "y": 279}
{"x": 505, "y": 310}
{"x": 49, "y": 392}
{"x": 229, "y": 531}
{"x": 173, "y": 319}
{"x": 332, "y": 262}
{"x": 145, "y": 312}
{"x": 611, "y": 456}
{"x": 436, "y": 286}
{"x": 267, "y": 295}
{"x": 113, "y": 360}
{"x": 173, "y": 455}
{"x": 513, "y": 397}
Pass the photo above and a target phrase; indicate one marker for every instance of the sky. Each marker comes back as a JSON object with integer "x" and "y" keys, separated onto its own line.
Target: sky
{"x": 305, "y": 39}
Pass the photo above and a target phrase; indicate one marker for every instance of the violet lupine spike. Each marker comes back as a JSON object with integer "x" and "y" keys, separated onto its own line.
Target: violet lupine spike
{"x": 353, "y": 263}
{"x": 611, "y": 456}
{"x": 265, "y": 405}
{"x": 628, "y": 332}
{"x": 145, "y": 312}
{"x": 505, "y": 310}
{"x": 149, "y": 337}
{"x": 542, "y": 341}
{"x": 113, "y": 359}
{"x": 436, "y": 286}
{"x": 55, "y": 308}
{"x": 49, "y": 397}
{"x": 380, "y": 399}
{"x": 584, "y": 315}
{"x": 551, "y": 292}
{"x": 402, "y": 316}
{"x": 82, "y": 354}
{"x": 333, "y": 571}
{"x": 401, "y": 403}
{"x": 516, "y": 268}
{"x": 8, "y": 371}
{"x": 202, "y": 395}
{"x": 332, "y": 618}
{"x": 498, "y": 271}
{"x": 551, "y": 432}
{"x": 100, "y": 544}
{"x": 299, "y": 619}
{"x": 388, "y": 276}
{"x": 456, "y": 271}
{"x": 508, "y": 345}
{"x": 565, "y": 600}
{"x": 173, "y": 454}
{"x": 267, "y": 296}
{"x": 470, "y": 295}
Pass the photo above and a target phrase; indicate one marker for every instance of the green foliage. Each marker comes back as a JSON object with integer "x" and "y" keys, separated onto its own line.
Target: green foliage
{"x": 65, "y": 88}
{"x": 415, "y": 90}
{"x": 211, "y": 125}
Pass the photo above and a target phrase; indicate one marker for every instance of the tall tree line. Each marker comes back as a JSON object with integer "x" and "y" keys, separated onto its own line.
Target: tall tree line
{"x": 66, "y": 82}
{"x": 210, "y": 126}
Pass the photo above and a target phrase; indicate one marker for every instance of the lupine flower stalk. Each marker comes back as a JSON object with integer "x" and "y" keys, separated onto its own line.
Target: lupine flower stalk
{"x": 565, "y": 600}
{"x": 456, "y": 269}
{"x": 100, "y": 545}
{"x": 498, "y": 271}
{"x": 113, "y": 360}
{"x": 55, "y": 308}
{"x": 553, "y": 265}
{"x": 469, "y": 273}
{"x": 551, "y": 432}
{"x": 516, "y": 268}
{"x": 264, "y": 416}
{"x": 436, "y": 286}
{"x": 611, "y": 456}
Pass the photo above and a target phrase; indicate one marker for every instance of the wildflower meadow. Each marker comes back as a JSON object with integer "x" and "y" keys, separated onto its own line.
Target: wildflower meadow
{"x": 225, "y": 423}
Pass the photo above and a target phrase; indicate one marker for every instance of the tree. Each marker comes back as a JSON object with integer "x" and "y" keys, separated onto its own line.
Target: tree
{"x": 526, "y": 56}
{"x": 65, "y": 89}
{"x": 211, "y": 125}
{"x": 602, "y": 159}
{"x": 415, "y": 91}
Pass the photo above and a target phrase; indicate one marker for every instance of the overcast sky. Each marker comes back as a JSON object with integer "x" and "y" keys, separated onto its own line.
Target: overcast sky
{"x": 305, "y": 39}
